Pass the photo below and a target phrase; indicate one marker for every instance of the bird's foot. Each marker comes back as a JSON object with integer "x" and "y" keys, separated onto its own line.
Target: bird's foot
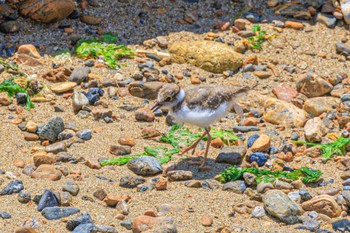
{"x": 193, "y": 147}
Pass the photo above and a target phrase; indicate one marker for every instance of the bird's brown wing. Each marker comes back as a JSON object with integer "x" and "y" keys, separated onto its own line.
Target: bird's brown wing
{"x": 210, "y": 96}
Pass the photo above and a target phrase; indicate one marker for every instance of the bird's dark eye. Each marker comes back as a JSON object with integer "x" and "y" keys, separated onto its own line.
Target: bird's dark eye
{"x": 168, "y": 99}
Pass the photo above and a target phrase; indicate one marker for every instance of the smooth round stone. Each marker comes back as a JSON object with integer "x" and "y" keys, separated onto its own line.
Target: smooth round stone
{"x": 259, "y": 158}
{"x": 63, "y": 87}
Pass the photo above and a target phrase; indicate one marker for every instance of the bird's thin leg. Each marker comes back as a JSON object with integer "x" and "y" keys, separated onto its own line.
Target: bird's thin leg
{"x": 194, "y": 145}
{"x": 207, "y": 130}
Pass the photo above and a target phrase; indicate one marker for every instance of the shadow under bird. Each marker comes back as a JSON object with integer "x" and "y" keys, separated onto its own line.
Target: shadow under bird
{"x": 200, "y": 106}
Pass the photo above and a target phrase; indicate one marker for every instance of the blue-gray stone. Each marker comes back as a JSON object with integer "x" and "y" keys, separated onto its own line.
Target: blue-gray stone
{"x": 84, "y": 219}
{"x": 21, "y": 98}
{"x": 328, "y": 20}
{"x": 248, "y": 68}
{"x": 48, "y": 199}
{"x": 94, "y": 94}
{"x": 85, "y": 228}
{"x": 24, "y": 196}
{"x": 258, "y": 157}
{"x": 80, "y": 74}
{"x": 237, "y": 186}
{"x": 85, "y": 134}
{"x": 345, "y": 97}
{"x": 273, "y": 150}
{"x": 5, "y": 215}
{"x": 52, "y": 213}
{"x": 245, "y": 129}
{"x": 342, "y": 225}
{"x": 259, "y": 67}
{"x": 71, "y": 187}
{"x": 14, "y": 186}
{"x": 52, "y": 129}
{"x": 252, "y": 17}
{"x": 126, "y": 224}
{"x": 308, "y": 224}
{"x": 105, "y": 229}
{"x": 305, "y": 195}
{"x": 231, "y": 155}
{"x": 89, "y": 63}
{"x": 131, "y": 181}
{"x": 145, "y": 165}
{"x": 294, "y": 136}
{"x": 252, "y": 139}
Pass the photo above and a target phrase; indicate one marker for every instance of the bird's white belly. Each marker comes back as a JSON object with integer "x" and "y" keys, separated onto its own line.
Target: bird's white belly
{"x": 200, "y": 117}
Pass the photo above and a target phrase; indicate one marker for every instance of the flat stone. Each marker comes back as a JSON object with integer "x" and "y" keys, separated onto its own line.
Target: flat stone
{"x": 42, "y": 159}
{"x": 285, "y": 92}
{"x": 145, "y": 90}
{"x": 46, "y": 171}
{"x": 328, "y": 20}
{"x": 56, "y": 147}
{"x": 145, "y": 165}
{"x": 85, "y": 218}
{"x": 52, "y": 213}
{"x": 144, "y": 114}
{"x": 262, "y": 144}
{"x": 179, "y": 175}
{"x": 15, "y": 186}
{"x": 71, "y": 187}
{"x": 231, "y": 155}
{"x": 127, "y": 141}
{"x": 281, "y": 206}
{"x": 313, "y": 86}
{"x": 131, "y": 181}
{"x": 318, "y": 105}
{"x": 283, "y": 113}
{"x": 63, "y": 87}
{"x": 145, "y": 223}
{"x": 237, "y": 186}
{"x": 323, "y": 204}
{"x": 119, "y": 150}
{"x": 80, "y": 74}
{"x": 208, "y": 55}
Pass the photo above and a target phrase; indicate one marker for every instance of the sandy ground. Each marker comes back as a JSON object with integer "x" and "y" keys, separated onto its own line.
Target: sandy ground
{"x": 216, "y": 203}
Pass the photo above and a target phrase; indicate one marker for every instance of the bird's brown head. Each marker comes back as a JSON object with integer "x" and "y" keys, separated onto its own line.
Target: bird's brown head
{"x": 167, "y": 96}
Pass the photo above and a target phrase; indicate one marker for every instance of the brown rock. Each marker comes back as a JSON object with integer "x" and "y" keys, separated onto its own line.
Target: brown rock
{"x": 25, "y": 230}
{"x": 318, "y": 105}
{"x": 314, "y": 130}
{"x": 120, "y": 216}
{"x": 93, "y": 164}
{"x": 262, "y": 74}
{"x": 161, "y": 184}
{"x": 46, "y": 171}
{"x": 90, "y": 20}
{"x": 313, "y": 152}
{"x": 100, "y": 194}
{"x": 313, "y": 86}
{"x": 112, "y": 200}
{"x": 4, "y": 99}
{"x": 63, "y": 87}
{"x": 19, "y": 163}
{"x": 294, "y": 25}
{"x": 31, "y": 137}
{"x": 206, "y": 221}
{"x": 145, "y": 223}
{"x": 56, "y": 147}
{"x": 280, "y": 112}
{"x": 127, "y": 141}
{"x": 261, "y": 144}
{"x": 251, "y": 121}
{"x": 60, "y": 74}
{"x": 193, "y": 184}
{"x": 195, "y": 80}
{"x": 148, "y": 90}
{"x": 151, "y": 213}
{"x": 208, "y": 55}
{"x": 323, "y": 204}
{"x": 285, "y": 92}
{"x": 217, "y": 143}
{"x": 31, "y": 126}
{"x": 43, "y": 159}
{"x": 119, "y": 150}
{"x": 144, "y": 114}
{"x": 47, "y": 11}
{"x": 149, "y": 133}
{"x": 241, "y": 23}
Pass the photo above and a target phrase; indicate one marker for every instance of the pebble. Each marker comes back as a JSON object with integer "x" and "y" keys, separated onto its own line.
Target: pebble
{"x": 9, "y": 27}
{"x": 71, "y": 187}
{"x": 5, "y": 215}
{"x": 144, "y": 114}
{"x": 127, "y": 224}
{"x": 85, "y": 134}
{"x": 131, "y": 181}
{"x": 206, "y": 221}
{"x": 94, "y": 94}
{"x": 120, "y": 150}
{"x": 15, "y": 186}
{"x": 48, "y": 199}
{"x": 80, "y": 74}
{"x": 295, "y": 196}
{"x": 178, "y": 175}
{"x": 193, "y": 184}
{"x": 85, "y": 218}
{"x": 46, "y": 171}
{"x": 122, "y": 207}
{"x": 231, "y": 155}
{"x": 56, "y": 147}
{"x": 285, "y": 92}
{"x": 262, "y": 74}
{"x": 52, "y": 213}
{"x": 294, "y": 25}
{"x": 309, "y": 224}
{"x": 24, "y": 196}
{"x": 258, "y": 157}
{"x": 261, "y": 144}
{"x": 245, "y": 129}
{"x": 328, "y": 20}
{"x": 315, "y": 129}
{"x": 342, "y": 48}
{"x": 79, "y": 100}
{"x": 153, "y": 224}
{"x": 51, "y": 129}
{"x": 145, "y": 165}
{"x": 63, "y": 87}
{"x": 100, "y": 194}
{"x": 237, "y": 186}
{"x": 127, "y": 141}
{"x": 342, "y": 225}
{"x": 281, "y": 206}
{"x": 259, "y": 212}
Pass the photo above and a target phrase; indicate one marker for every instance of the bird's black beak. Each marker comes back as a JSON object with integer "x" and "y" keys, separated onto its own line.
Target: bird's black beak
{"x": 156, "y": 106}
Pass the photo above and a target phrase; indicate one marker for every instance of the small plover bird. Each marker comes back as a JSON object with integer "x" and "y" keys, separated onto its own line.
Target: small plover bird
{"x": 200, "y": 106}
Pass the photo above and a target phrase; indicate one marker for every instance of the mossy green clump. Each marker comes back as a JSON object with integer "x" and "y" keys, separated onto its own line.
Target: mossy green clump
{"x": 12, "y": 88}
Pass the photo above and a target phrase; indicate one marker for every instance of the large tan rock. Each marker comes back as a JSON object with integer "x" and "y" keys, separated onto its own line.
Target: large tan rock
{"x": 313, "y": 86}
{"x": 47, "y": 11}
{"x": 317, "y": 106}
{"x": 281, "y": 112}
{"x": 46, "y": 171}
{"x": 323, "y": 204}
{"x": 148, "y": 90}
{"x": 208, "y": 55}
